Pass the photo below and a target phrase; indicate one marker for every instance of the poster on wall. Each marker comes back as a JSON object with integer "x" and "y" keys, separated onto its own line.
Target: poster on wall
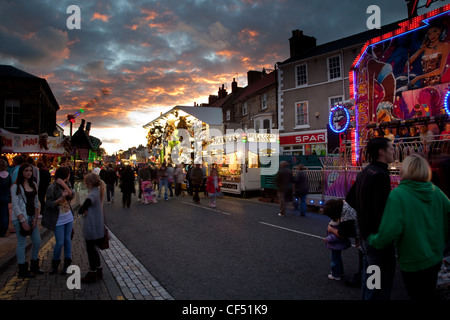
{"x": 406, "y": 76}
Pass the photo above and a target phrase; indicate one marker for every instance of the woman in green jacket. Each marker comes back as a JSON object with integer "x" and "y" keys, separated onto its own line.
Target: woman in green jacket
{"x": 416, "y": 217}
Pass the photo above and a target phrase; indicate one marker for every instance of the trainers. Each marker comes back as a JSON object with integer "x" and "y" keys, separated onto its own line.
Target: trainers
{"x": 281, "y": 215}
{"x": 330, "y": 276}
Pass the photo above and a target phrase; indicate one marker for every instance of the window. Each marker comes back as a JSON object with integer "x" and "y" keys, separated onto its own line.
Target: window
{"x": 301, "y": 74}
{"x": 301, "y": 113}
{"x": 293, "y": 150}
{"x": 264, "y": 101}
{"x": 244, "y": 109}
{"x": 334, "y": 67}
{"x": 334, "y": 100}
{"x": 12, "y": 113}
{"x": 266, "y": 124}
{"x": 228, "y": 115}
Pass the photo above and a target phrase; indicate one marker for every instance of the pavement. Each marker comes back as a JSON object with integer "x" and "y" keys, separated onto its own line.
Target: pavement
{"x": 124, "y": 277}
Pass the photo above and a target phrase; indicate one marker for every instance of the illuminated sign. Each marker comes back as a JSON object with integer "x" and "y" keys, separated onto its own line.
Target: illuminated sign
{"x": 446, "y": 103}
{"x": 261, "y": 137}
{"x": 304, "y": 138}
{"x": 339, "y": 119}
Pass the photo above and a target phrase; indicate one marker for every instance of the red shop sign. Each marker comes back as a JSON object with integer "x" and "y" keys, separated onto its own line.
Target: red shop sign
{"x": 305, "y": 138}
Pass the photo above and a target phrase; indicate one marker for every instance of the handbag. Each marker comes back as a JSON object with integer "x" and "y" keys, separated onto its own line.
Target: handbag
{"x": 24, "y": 232}
{"x": 103, "y": 243}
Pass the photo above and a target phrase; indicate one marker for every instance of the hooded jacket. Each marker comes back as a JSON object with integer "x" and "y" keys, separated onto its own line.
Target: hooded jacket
{"x": 416, "y": 217}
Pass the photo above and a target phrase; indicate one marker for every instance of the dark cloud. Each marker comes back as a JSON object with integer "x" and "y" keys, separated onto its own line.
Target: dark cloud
{"x": 153, "y": 54}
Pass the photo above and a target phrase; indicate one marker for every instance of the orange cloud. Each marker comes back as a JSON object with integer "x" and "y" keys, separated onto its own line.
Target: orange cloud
{"x": 99, "y": 16}
{"x": 249, "y": 36}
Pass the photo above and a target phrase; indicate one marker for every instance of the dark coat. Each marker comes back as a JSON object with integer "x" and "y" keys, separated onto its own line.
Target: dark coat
{"x": 127, "y": 182}
{"x": 301, "y": 186}
{"x": 368, "y": 196}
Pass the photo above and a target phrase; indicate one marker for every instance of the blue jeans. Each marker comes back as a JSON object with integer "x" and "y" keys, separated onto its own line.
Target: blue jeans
{"x": 300, "y": 201}
{"x": 385, "y": 259}
{"x": 63, "y": 235}
{"x": 337, "y": 267}
{"x": 165, "y": 183}
{"x": 22, "y": 242}
{"x": 109, "y": 192}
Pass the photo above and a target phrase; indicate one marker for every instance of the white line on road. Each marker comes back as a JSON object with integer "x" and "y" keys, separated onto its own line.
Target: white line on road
{"x": 296, "y": 231}
{"x": 196, "y": 205}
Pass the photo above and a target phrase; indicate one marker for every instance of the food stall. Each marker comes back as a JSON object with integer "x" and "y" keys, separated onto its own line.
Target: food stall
{"x": 180, "y": 134}
{"x": 238, "y": 157}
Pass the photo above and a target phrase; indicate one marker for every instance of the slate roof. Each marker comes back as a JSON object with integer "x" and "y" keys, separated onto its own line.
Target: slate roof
{"x": 336, "y": 45}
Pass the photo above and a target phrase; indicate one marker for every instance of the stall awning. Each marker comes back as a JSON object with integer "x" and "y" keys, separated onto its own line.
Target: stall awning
{"x": 211, "y": 116}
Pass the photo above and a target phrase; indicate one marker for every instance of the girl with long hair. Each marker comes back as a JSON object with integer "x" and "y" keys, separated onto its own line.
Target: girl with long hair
{"x": 25, "y": 211}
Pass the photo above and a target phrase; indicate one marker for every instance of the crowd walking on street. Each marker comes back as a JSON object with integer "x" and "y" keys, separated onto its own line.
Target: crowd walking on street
{"x": 408, "y": 225}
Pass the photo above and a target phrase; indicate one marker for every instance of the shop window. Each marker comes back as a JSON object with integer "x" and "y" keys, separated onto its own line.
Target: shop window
{"x": 301, "y": 113}
{"x": 12, "y": 114}
{"x": 301, "y": 75}
{"x": 334, "y": 68}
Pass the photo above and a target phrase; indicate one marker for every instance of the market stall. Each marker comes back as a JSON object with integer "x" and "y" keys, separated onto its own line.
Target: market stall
{"x": 180, "y": 134}
{"x": 238, "y": 157}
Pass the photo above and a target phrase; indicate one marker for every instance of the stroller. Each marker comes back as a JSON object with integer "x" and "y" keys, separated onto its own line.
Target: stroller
{"x": 148, "y": 194}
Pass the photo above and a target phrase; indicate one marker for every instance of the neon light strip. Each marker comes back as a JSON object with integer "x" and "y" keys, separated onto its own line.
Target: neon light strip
{"x": 330, "y": 120}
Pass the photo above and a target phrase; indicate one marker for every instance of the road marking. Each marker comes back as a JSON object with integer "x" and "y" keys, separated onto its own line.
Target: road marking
{"x": 196, "y": 205}
{"x": 296, "y": 231}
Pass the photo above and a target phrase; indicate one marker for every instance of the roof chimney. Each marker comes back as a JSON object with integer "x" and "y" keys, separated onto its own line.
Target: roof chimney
{"x": 222, "y": 92}
{"x": 234, "y": 85}
{"x": 299, "y": 43}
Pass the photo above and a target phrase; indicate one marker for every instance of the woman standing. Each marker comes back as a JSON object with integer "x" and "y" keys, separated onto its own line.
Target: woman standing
{"x": 416, "y": 217}
{"x": 5, "y": 197}
{"x": 127, "y": 186}
{"x": 25, "y": 211}
{"x": 58, "y": 216}
{"x": 93, "y": 225}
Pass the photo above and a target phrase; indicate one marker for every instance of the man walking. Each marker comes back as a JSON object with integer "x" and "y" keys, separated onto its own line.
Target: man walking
{"x": 283, "y": 180}
{"x": 368, "y": 196}
{"x": 110, "y": 178}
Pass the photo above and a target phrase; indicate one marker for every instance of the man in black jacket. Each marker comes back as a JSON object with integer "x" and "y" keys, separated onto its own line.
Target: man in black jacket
{"x": 110, "y": 178}
{"x": 368, "y": 196}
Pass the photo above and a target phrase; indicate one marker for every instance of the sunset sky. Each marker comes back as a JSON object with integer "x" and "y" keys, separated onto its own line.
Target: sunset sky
{"x": 133, "y": 59}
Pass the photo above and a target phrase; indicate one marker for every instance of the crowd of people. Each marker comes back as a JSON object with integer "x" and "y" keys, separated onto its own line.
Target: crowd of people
{"x": 409, "y": 224}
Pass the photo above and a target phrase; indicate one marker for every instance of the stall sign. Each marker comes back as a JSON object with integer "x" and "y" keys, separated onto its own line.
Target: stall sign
{"x": 261, "y": 137}
{"x": 220, "y": 140}
{"x": 304, "y": 138}
{"x": 231, "y": 187}
{"x": 15, "y": 143}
